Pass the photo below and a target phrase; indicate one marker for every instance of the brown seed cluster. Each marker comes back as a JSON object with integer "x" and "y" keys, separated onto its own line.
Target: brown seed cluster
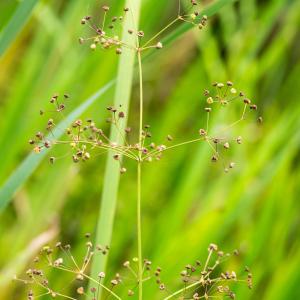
{"x": 224, "y": 95}
{"x": 208, "y": 279}
{"x": 105, "y": 34}
{"x": 87, "y": 139}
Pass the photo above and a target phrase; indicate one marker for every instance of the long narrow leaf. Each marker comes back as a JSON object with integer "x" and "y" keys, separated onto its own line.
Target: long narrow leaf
{"x": 15, "y": 24}
{"x": 112, "y": 171}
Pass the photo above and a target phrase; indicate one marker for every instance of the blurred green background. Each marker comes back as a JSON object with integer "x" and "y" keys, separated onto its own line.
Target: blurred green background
{"x": 187, "y": 203}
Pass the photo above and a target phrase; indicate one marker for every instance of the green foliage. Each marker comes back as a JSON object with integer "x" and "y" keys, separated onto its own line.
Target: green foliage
{"x": 187, "y": 202}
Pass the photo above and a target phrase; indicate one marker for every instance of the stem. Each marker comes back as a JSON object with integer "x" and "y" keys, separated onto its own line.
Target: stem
{"x": 160, "y": 32}
{"x": 139, "y": 231}
{"x": 139, "y": 182}
{"x": 181, "y": 290}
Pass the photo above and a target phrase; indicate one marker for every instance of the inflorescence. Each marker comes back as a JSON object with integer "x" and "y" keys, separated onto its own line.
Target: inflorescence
{"x": 84, "y": 137}
{"x": 199, "y": 281}
{"x": 106, "y": 34}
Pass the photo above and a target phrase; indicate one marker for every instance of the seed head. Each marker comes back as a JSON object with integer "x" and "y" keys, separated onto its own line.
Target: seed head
{"x": 210, "y": 100}
{"x": 231, "y": 165}
{"x": 118, "y": 51}
{"x": 213, "y": 247}
{"x": 239, "y": 139}
{"x": 123, "y": 170}
{"x": 140, "y": 34}
{"x": 159, "y": 45}
{"x": 226, "y": 145}
{"x": 80, "y": 291}
{"x": 202, "y": 132}
{"x": 105, "y": 8}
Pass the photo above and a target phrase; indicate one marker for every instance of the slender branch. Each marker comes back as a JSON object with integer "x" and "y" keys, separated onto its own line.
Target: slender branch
{"x": 160, "y": 32}
{"x": 181, "y": 290}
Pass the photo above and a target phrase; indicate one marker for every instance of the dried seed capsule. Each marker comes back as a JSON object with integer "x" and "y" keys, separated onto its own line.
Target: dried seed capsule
{"x": 169, "y": 138}
{"x": 210, "y": 100}
{"x": 118, "y": 51}
{"x": 114, "y": 282}
{"x": 140, "y": 34}
{"x": 213, "y": 247}
{"x": 123, "y": 170}
{"x": 75, "y": 159}
{"x": 226, "y": 145}
{"x": 214, "y": 158}
{"x": 80, "y": 291}
{"x": 159, "y": 45}
{"x": 202, "y": 132}
{"x": 231, "y": 165}
{"x": 239, "y": 139}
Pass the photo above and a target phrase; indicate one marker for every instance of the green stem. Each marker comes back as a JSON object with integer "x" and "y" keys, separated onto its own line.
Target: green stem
{"x": 139, "y": 231}
{"x": 139, "y": 183}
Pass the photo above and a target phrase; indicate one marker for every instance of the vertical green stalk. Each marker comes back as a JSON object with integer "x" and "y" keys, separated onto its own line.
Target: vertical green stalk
{"x": 139, "y": 182}
{"x": 139, "y": 230}
{"x": 112, "y": 171}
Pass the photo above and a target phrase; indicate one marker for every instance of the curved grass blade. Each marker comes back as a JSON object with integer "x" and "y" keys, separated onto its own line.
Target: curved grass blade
{"x": 29, "y": 165}
{"x": 15, "y": 24}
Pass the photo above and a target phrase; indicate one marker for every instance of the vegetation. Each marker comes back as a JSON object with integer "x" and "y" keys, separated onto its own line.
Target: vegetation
{"x": 188, "y": 201}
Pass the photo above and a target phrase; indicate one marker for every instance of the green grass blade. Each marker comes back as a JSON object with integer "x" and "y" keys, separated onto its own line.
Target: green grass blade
{"x": 29, "y": 165}
{"x": 112, "y": 172}
{"x": 15, "y": 24}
